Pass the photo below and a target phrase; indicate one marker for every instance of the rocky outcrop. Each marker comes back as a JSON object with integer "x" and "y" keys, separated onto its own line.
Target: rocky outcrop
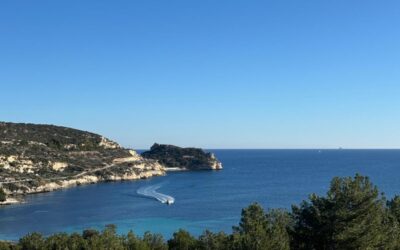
{"x": 10, "y": 201}
{"x": 139, "y": 171}
{"x": 42, "y": 158}
{"x": 106, "y": 143}
{"x": 59, "y": 166}
{"x": 177, "y": 158}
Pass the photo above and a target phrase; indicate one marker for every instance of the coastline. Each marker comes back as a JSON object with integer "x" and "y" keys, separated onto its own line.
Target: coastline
{"x": 84, "y": 180}
{"x": 10, "y": 201}
{"x": 175, "y": 169}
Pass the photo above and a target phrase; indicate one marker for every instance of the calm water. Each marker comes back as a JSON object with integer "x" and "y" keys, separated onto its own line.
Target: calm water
{"x": 205, "y": 199}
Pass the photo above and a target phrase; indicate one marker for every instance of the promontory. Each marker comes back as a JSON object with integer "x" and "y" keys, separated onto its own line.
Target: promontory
{"x": 178, "y": 158}
{"x": 39, "y": 158}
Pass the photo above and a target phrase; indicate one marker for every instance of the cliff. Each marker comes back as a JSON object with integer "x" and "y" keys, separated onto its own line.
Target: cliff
{"x": 38, "y": 158}
{"x": 174, "y": 157}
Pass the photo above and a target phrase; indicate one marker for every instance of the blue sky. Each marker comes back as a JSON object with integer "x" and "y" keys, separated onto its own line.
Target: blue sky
{"x": 213, "y": 74}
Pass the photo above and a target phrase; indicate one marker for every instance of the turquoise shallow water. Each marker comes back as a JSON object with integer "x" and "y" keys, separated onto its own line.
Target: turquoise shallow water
{"x": 204, "y": 199}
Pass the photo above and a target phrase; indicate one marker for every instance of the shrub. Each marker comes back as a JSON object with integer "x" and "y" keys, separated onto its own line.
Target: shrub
{"x": 3, "y": 195}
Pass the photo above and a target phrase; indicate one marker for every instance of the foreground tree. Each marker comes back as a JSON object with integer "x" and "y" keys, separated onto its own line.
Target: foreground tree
{"x": 58, "y": 241}
{"x": 32, "y": 241}
{"x": 252, "y": 230}
{"x": 182, "y": 240}
{"x": 154, "y": 241}
{"x": 213, "y": 241}
{"x": 393, "y": 223}
{"x": 7, "y": 246}
{"x": 132, "y": 242}
{"x": 258, "y": 230}
{"x": 110, "y": 240}
{"x": 278, "y": 222}
{"x": 351, "y": 216}
{"x": 394, "y": 207}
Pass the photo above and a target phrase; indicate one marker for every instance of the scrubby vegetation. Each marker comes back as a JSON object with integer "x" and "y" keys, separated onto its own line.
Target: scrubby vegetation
{"x": 3, "y": 196}
{"x": 352, "y": 215}
{"x": 177, "y": 157}
{"x": 37, "y": 153}
{"x": 44, "y": 143}
{"x": 55, "y": 137}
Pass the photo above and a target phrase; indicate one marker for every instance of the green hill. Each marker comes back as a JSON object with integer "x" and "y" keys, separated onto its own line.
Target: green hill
{"x": 36, "y": 158}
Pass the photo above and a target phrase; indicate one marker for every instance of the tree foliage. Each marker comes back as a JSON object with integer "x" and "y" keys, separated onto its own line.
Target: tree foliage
{"x": 351, "y": 216}
{"x": 182, "y": 240}
{"x": 260, "y": 230}
{"x": 3, "y": 195}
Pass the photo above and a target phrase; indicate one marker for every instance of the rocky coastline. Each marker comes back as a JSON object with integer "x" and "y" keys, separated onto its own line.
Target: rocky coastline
{"x": 44, "y": 158}
{"x": 138, "y": 171}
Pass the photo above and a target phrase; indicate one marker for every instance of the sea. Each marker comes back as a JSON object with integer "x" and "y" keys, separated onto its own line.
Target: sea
{"x": 203, "y": 200}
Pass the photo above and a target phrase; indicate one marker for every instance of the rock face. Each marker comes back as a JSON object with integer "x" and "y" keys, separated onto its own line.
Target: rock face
{"x": 38, "y": 158}
{"x": 173, "y": 157}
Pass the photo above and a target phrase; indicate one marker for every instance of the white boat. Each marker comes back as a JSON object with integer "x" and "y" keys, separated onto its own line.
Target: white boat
{"x": 150, "y": 191}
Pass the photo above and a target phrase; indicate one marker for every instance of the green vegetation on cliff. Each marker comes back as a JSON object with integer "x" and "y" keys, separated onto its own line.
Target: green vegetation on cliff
{"x": 54, "y": 137}
{"x": 3, "y": 196}
{"x": 352, "y": 215}
{"x": 183, "y": 158}
{"x": 32, "y": 155}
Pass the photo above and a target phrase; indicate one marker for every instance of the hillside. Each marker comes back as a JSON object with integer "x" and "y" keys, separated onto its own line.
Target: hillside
{"x": 37, "y": 158}
{"x": 182, "y": 158}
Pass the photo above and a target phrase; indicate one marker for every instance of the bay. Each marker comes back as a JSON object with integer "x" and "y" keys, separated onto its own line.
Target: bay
{"x": 203, "y": 199}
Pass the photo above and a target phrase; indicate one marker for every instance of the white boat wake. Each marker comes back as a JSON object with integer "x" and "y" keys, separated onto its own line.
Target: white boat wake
{"x": 150, "y": 191}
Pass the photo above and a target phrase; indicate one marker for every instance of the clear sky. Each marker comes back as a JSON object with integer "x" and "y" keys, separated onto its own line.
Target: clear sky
{"x": 213, "y": 74}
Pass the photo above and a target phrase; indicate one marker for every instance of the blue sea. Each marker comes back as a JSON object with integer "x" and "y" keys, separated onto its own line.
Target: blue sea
{"x": 203, "y": 199}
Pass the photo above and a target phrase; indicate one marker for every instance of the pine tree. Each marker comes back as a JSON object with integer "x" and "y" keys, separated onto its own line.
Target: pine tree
{"x": 252, "y": 229}
{"x": 394, "y": 207}
{"x": 154, "y": 241}
{"x": 182, "y": 240}
{"x": 278, "y": 222}
{"x": 260, "y": 230}
{"x": 32, "y": 241}
{"x": 213, "y": 241}
{"x": 351, "y": 216}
